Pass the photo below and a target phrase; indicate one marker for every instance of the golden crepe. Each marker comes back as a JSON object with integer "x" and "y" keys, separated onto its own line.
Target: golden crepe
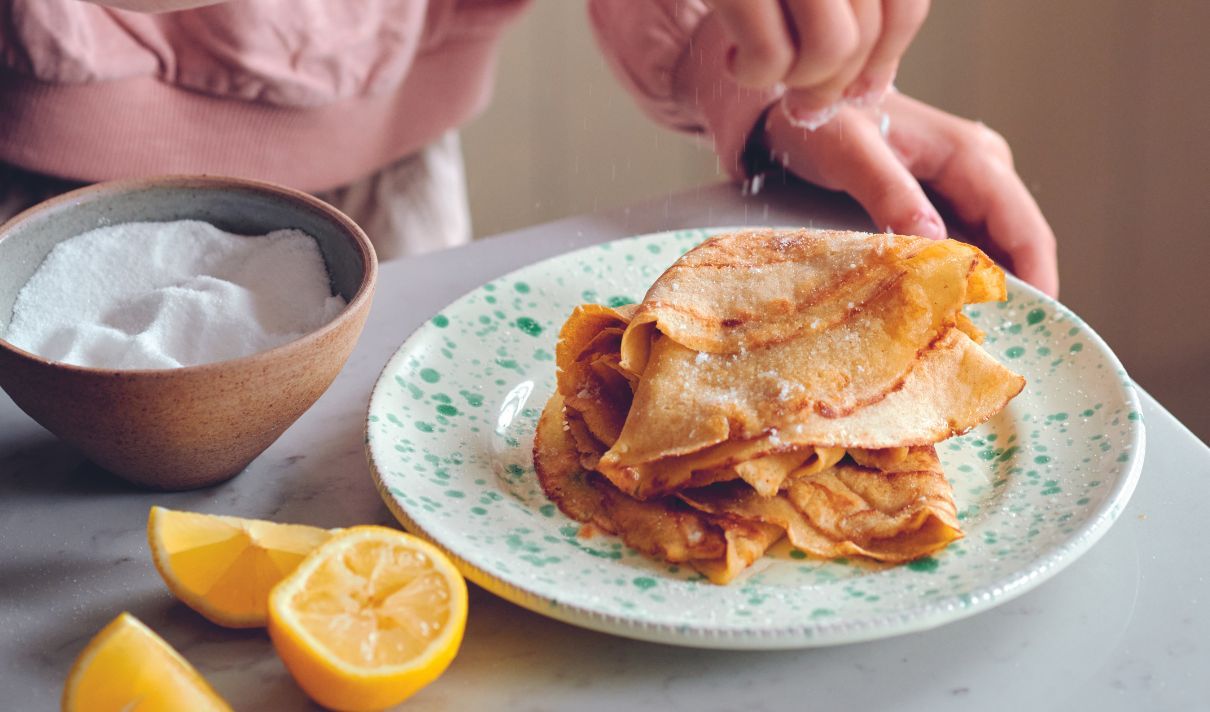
{"x": 776, "y": 383}
{"x": 891, "y": 515}
{"x": 719, "y": 546}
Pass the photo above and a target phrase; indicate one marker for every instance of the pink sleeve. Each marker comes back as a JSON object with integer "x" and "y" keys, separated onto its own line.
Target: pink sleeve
{"x": 670, "y": 54}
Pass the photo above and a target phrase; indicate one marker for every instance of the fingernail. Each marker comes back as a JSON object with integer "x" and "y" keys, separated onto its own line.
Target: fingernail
{"x": 863, "y": 95}
{"x": 927, "y": 223}
{"x": 857, "y": 90}
{"x": 809, "y": 120}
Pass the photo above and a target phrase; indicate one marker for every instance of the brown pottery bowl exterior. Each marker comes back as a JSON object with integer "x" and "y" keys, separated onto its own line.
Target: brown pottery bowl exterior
{"x": 198, "y": 425}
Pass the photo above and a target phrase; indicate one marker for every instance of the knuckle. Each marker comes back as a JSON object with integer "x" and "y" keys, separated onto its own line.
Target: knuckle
{"x": 762, "y": 60}
{"x": 981, "y": 140}
{"x": 827, "y": 53}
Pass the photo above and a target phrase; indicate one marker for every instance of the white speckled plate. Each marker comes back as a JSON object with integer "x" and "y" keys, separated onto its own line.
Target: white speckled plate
{"x": 451, "y": 424}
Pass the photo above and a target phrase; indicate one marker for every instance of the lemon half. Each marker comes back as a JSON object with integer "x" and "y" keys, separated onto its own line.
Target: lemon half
{"x": 368, "y": 618}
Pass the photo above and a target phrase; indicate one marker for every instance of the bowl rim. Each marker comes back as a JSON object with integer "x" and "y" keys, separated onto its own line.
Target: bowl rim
{"x": 304, "y": 201}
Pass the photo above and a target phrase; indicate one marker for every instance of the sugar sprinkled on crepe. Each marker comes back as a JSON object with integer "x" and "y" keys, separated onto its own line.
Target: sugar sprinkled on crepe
{"x": 777, "y": 382}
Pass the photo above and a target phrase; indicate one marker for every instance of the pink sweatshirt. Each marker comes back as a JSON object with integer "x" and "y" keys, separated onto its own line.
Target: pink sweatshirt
{"x": 312, "y": 93}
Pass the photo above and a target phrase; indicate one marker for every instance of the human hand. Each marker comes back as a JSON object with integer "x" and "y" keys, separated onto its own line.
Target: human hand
{"x": 965, "y": 164}
{"x": 822, "y": 51}
{"x": 155, "y": 6}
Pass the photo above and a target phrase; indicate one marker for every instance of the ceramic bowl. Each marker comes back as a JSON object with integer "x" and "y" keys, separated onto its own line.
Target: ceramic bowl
{"x": 198, "y": 425}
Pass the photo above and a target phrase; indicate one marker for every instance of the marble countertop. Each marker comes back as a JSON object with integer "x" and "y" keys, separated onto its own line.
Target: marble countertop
{"x": 1127, "y": 627}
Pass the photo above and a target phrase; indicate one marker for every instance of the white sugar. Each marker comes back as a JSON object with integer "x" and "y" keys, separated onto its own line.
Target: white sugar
{"x": 164, "y": 295}
{"x": 787, "y": 389}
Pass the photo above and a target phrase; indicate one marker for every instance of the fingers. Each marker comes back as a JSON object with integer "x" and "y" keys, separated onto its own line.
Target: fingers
{"x": 764, "y": 48}
{"x": 971, "y": 167}
{"x": 834, "y": 38}
{"x": 823, "y": 51}
{"x": 850, "y": 154}
{"x": 1010, "y": 217}
{"x": 967, "y": 164}
{"x": 827, "y": 34}
{"x": 901, "y": 19}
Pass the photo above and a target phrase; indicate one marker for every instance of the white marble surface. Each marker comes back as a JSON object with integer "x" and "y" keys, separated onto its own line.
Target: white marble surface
{"x": 1124, "y": 628}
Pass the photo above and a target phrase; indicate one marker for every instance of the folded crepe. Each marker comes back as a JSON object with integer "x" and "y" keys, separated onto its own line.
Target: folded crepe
{"x": 718, "y": 545}
{"x": 777, "y": 383}
{"x": 892, "y": 515}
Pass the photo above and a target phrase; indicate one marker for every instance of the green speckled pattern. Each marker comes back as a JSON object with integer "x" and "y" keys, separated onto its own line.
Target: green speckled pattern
{"x": 451, "y": 424}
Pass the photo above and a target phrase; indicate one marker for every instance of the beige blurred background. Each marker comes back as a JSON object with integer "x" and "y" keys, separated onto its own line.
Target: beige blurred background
{"x": 1105, "y": 103}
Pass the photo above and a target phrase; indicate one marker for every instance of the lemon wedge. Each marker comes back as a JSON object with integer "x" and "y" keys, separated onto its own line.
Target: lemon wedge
{"x": 224, "y": 567}
{"x": 127, "y": 667}
{"x": 368, "y": 618}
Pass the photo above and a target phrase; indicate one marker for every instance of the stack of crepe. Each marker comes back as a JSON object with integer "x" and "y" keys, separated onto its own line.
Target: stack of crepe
{"x": 776, "y": 384}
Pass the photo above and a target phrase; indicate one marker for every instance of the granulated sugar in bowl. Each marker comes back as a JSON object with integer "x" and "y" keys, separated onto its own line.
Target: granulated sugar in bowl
{"x": 171, "y": 328}
{"x": 171, "y": 294}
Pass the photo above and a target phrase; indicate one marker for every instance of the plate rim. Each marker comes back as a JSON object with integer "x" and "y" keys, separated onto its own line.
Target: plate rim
{"x": 807, "y": 634}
